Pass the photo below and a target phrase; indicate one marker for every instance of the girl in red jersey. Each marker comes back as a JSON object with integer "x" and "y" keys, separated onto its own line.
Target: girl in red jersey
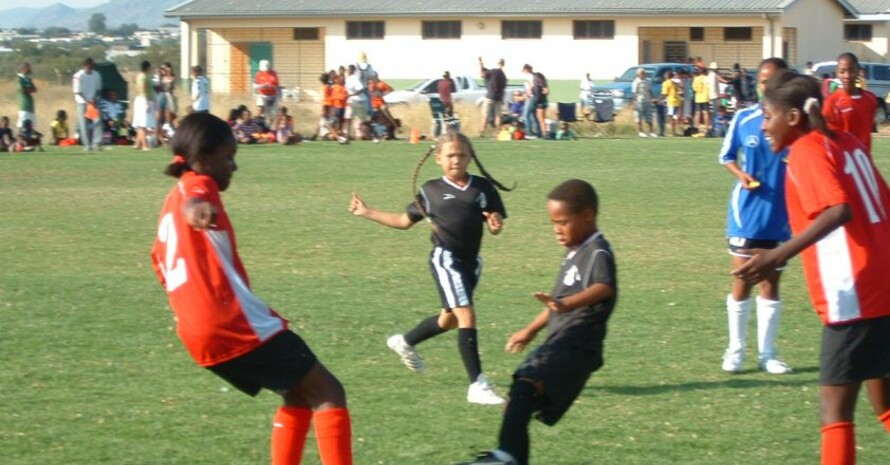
{"x": 222, "y": 324}
{"x": 851, "y": 108}
{"x": 838, "y": 206}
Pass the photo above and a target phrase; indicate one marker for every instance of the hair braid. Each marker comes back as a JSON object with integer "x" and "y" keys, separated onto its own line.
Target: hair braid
{"x": 414, "y": 188}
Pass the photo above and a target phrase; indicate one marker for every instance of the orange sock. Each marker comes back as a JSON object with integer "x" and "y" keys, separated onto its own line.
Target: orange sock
{"x": 885, "y": 419}
{"x": 838, "y": 444}
{"x": 334, "y": 436}
{"x": 289, "y": 430}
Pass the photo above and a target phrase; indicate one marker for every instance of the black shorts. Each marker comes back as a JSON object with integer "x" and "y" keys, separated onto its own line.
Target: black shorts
{"x": 855, "y": 351}
{"x": 562, "y": 368}
{"x": 456, "y": 277}
{"x": 278, "y": 365}
{"x": 741, "y": 246}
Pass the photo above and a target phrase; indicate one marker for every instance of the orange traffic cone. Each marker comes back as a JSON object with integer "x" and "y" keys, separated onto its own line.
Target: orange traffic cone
{"x": 415, "y": 136}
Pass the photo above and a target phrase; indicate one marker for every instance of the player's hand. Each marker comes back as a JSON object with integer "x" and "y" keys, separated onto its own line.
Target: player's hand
{"x": 357, "y": 205}
{"x": 495, "y": 222}
{"x": 200, "y": 214}
{"x": 519, "y": 340}
{"x": 760, "y": 266}
{"x": 748, "y": 181}
{"x": 550, "y": 302}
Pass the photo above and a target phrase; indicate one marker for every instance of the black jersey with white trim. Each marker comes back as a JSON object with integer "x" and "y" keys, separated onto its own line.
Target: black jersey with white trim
{"x": 591, "y": 263}
{"x": 457, "y": 212}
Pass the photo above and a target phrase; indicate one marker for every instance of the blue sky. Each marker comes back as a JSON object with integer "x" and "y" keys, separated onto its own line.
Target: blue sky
{"x": 43, "y": 3}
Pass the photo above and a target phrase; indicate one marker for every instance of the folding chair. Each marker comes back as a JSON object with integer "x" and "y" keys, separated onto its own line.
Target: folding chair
{"x": 603, "y": 111}
{"x": 441, "y": 121}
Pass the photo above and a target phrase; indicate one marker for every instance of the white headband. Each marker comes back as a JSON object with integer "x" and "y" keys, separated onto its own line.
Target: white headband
{"x": 809, "y": 103}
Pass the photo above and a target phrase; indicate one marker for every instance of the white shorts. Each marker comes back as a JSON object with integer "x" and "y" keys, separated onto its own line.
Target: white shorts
{"x": 23, "y": 115}
{"x": 357, "y": 110}
{"x": 143, "y": 113}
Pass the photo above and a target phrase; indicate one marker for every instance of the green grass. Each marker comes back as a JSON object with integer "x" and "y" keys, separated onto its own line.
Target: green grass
{"x": 91, "y": 371}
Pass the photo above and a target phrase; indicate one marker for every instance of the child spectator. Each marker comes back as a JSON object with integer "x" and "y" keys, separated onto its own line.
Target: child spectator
{"x": 322, "y": 122}
{"x": 28, "y": 138}
{"x": 457, "y": 205}
{"x": 670, "y": 96}
{"x": 838, "y": 208}
{"x": 850, "y": 108}
{"x": 565, "y": 132}
{"x": 338, "y": 104}
{"x": 576, "y": 313}
{"x": 168, "y": 129}
{"x": 703, "y": 114}
{"x": 721, "y": 121}
{"x": 60, "y": 130}
{"x": 518, "y": 130}
{"x": 200, "y": 91}
{"x": 7, "y": 139}
{"x": 112, "y": 113}
{"x": 514, "y": 109}
{"x": 284, "y": 128}
{"x": 506, "y": 132}
{"x": 223, "y": 325}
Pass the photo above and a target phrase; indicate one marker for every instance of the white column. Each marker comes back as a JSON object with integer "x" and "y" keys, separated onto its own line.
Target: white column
{"x": 187, "y": 44}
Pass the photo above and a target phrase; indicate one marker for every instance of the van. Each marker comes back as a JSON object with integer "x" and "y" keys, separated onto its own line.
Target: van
{"x": 877, "y": 77}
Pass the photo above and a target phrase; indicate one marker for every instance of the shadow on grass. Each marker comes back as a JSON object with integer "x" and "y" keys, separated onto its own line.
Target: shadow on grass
{"x": 733, "y": 381}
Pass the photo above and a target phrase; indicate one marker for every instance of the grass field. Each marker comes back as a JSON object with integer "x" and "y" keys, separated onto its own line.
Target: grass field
{"x": 91, "y": 371}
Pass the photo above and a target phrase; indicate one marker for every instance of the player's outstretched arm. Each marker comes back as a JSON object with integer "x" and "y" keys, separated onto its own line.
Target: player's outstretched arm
{"x": 199, "y": 214}
{"x": 495, "y": 222}
{"x": 522, "y": 338}
{"x": 358, "y": 207}
{"x": 763, "y": 264}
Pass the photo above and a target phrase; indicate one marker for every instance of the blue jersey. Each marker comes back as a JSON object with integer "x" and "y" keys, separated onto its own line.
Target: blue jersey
{"x": 759, "y": 213}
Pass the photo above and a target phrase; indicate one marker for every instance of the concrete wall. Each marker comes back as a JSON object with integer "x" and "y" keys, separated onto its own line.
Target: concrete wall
{"x": 820, "y": 29}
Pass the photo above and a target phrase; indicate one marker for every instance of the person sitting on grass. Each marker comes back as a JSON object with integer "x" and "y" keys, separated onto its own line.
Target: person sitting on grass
{"x": 6, "y": 137}
{"x": 60, "y": 131}
{"x": 28, "y": 138}
{"x": 284, "y": 128}
{"x": 565, "y": 132}
{"x": 249, "y": 131}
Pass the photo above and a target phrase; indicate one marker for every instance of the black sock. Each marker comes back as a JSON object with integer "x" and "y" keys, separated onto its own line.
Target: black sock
{"x": 469, "y": 352}
{"x": 424, "y": 330}
{"x": 517, "y": 415}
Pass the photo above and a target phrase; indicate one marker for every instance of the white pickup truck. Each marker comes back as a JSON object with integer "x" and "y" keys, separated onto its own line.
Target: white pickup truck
{"x": 467, "y": 90}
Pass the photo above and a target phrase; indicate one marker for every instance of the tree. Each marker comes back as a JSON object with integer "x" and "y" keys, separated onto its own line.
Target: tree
{"x": 125, "y": 30}
{"x": 55, "y": 31}
{"x": 97, "y": 23}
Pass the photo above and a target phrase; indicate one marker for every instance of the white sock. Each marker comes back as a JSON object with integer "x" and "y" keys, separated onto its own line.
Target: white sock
{"x": 737, "y": 311}
{"x": 503, "y": 456}
{"x": 768, "y": 315}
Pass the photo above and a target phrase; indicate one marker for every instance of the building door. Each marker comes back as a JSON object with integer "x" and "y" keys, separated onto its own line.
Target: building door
{"x": 258, "y": 51}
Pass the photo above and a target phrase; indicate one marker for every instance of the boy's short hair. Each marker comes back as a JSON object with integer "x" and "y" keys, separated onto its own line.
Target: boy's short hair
{"x": 578, "y": 195}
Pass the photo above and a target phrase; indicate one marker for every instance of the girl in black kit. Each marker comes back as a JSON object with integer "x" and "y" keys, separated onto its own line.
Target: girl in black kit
{"x": 458, "y": 204}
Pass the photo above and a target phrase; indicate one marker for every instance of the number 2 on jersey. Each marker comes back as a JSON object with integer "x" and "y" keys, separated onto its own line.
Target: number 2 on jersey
{"x": 173, "y": 268}
{"x": 860, "y": 169}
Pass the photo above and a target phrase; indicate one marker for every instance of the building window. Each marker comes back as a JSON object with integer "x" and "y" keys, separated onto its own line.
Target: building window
{"x": 737, "y": 33}
{"x": 441, "y": 29}
{"x": 364, "y": 29}
{"x": 594, "y": 29}
{"x": 858, "y": 32}
{"x": 306, "y": 33}
{"x": 696, "y": 34}
{"x": 521, "y": 29}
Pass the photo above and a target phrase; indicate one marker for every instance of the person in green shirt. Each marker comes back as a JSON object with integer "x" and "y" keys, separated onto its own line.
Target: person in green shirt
{"x": 26, "y": 91}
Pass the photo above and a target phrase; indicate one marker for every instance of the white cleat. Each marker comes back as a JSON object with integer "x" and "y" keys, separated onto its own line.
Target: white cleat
{"x": 732, "y": 361}
{"x": 482, "y": 392}
{"x": 407, "y": 353}
{"x": 775, "y": 366}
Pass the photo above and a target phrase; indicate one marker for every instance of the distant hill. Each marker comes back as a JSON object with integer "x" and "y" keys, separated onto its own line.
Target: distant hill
{"x": 145, "y": 13}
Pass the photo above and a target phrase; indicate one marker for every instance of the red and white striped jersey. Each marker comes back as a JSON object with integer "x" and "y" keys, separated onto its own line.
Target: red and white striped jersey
{"x": 217, "y": 315}
{"x": 847, "y": 270}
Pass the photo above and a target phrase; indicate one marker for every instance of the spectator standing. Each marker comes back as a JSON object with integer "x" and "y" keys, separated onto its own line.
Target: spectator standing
{"x": 642, "y": 97}
{"x": 143, "y": 107}
{"x": 586, "y": 93}
{"x": 744, "y": 90}
{"x": 200, "y": 91}
{"x": 6, "y": 136}
{"x": 266, "y": 85}
{"x": 700, "y": 89}
{"x": 86, "y": 85}
{"x": 541, "y": 90}
{"x": 713, "y": 80}
{"x": 445, "y": 87}
{"x": 26, "y": 96}
{"x": 167, "y": 103}
{"x": 495, "y": 83}
{"x": 356, "y": 103}
{"x": 365, "y": 73}
{"x": 531, "y": 103}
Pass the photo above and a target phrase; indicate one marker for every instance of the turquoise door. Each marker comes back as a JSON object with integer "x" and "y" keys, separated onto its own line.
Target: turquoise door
{"x": 258, "y": 51}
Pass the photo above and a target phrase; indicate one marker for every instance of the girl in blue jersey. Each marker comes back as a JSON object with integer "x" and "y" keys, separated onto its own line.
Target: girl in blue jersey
{"x": 757, "y": 219}
{"x": 458, "y": 205}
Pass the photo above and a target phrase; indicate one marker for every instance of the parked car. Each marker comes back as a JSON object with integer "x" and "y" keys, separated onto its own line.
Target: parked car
{"x": 878, "y": 82}
{"x": 467, "y": 90}
{"x": 620, "y": 88}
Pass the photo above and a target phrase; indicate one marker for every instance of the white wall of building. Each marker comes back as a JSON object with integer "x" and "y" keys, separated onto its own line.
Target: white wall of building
{"x": 820, "y": 29}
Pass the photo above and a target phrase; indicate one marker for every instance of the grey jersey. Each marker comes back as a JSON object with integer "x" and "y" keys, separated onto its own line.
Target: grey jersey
{"x": 591, "y": 263}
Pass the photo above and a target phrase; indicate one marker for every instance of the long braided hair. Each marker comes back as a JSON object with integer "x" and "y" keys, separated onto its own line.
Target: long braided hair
{"x": 450, "y": 135}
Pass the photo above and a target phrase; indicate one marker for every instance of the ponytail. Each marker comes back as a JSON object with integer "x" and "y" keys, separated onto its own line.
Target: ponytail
{"x": 177, "y": 167}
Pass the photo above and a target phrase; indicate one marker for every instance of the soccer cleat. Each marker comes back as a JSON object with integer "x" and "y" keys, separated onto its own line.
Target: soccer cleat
{"x": 482, "y": 392}
{"x": 490, "y": 458}
{"x": 407, "y": 353}
{"x": 732, "y": 361}
{"x": 652, "y": 134}
{"x": 642, "y": 134}
{"x": 775, "y": 366}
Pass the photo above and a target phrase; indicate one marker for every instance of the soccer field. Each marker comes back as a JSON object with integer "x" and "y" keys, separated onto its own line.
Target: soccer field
{"x": 91, "y": 370}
